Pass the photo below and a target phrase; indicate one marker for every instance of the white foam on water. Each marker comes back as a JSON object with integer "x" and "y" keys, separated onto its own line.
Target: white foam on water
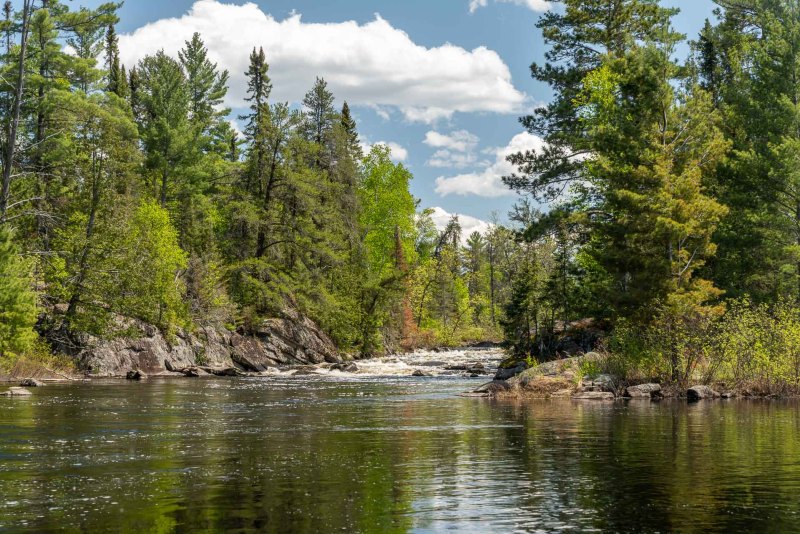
{"x": 442, "y": 363}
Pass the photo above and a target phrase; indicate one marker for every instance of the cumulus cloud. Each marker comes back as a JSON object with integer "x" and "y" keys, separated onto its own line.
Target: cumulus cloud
{"x": 460, "y": 140}
{"x": 447, "y": 159}
{"x": 488, "y": 182}
{"x": 468, "y": 223}
{"x": 399, "y": 152}
{"x": 372, "y": 64}
{"x": 534, "y": 5}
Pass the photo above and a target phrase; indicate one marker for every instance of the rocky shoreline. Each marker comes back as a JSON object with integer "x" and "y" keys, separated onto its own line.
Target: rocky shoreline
{"x": 563, "y": 379}
{"x": 289, "y": 340}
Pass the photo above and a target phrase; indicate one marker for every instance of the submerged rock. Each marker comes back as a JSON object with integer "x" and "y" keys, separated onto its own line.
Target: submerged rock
{"x": 695, "y": 393}
{"x": 420, "y": 372}
{"x": 594, "y": 395}
{"x": 223, "y": 371}
{"x": 16, "y": 392}
{"x": 345, "y": 367}
{"x": 305, "y": 370}
{"x": 194, "y": 372}
{"x": 643, "y": 391}
{"x": 31, "y": 383}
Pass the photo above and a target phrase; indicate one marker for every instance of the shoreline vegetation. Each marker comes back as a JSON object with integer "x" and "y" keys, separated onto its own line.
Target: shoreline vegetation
{"x": 663, "y": 203}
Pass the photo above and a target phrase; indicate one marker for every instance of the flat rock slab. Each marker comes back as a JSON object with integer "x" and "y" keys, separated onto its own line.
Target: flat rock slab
{"x": 16, "y": 392}
{"x": 594, "y": 395}
{"x": 701, "y": 392}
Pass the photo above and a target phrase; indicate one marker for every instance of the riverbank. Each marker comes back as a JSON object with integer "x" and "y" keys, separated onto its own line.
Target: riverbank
{"x": 588, "y": 377}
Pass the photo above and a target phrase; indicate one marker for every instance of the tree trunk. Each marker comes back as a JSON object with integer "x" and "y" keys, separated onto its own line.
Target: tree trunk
{"x": 13, "y": 125}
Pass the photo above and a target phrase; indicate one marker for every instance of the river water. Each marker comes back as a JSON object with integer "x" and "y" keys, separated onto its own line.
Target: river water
{"x": 380, "y": 451}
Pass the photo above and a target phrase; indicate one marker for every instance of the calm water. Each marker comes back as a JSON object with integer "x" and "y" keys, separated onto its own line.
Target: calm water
{"x": 367, "y": 453}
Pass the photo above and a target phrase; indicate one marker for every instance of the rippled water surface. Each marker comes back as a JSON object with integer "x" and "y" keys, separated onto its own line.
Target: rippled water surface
{"x": 380, "y": 451}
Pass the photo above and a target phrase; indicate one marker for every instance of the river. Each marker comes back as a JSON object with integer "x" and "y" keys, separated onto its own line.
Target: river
{"x": 381, "y": 451}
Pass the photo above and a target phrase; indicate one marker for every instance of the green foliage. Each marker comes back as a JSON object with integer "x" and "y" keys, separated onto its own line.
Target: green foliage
{"x": 18, "y": 310}
{"x": 151, "y": 289}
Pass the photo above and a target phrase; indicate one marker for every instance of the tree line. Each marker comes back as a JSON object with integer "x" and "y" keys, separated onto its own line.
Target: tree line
{"x": 127, "y": 191}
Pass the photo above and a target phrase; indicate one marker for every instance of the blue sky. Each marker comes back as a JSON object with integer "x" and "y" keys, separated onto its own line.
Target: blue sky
{"x": 460, "y": 141}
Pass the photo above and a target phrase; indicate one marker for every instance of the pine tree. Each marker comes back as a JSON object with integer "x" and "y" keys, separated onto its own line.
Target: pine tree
{"x": 351, "y": 132}
{"x": 207, "y": 86}
{"x": 641, "y": 196}
{"x": 117, "y": 81}
{"x": 320, "y": 118}
{"x": 754, "y": 49}
{"x": 164, "y": 124}
{"x": 259, "y": 88}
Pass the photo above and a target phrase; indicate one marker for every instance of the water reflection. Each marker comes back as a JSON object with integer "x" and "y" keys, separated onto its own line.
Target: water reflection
{"x": 388, "y": 455}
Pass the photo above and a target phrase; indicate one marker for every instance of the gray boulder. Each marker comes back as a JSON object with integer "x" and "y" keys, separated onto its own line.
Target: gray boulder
{"x": 509, "y": 372}
{"x": 31, "y": 383}
{"x": 345, "y": 367}
{"x": 643, "y": 391}
{"x": 493, "y": 387}
{"x": 695, "y": 393}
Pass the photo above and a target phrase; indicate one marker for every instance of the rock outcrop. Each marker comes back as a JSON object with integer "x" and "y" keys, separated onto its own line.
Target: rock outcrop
{"x": 286, "y": 341}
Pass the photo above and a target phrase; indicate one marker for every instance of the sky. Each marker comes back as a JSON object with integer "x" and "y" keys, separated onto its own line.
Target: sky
{"x": 442, "y": 82}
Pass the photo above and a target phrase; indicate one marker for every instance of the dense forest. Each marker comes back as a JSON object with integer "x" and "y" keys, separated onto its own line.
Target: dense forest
{"x": 127, "y": 192}
{"x": 665, "y": 205}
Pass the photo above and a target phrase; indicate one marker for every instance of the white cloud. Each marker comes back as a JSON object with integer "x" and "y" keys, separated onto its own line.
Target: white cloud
{"x": 468, "y": 223}
{"x": 534, "y": 5}
{"x": 488, "y": 182}
{"x": 447, "y": 159}
{"x": 399, "y": 152}
{"x": 456, "y": 150}
{"x": 460, "y": 140}
{"x": 372, "y": 64}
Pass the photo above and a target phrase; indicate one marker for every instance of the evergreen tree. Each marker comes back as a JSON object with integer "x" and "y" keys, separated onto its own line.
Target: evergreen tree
{"x": 117, "y": 81}
{"x": 641, "y": 195}
{"x": 164, "y": 123}
{"x": 207, "y": 86}
{"x": 320, "y": 118}
{"x": 351, "y": 133}
{"x": 751, "y": 59}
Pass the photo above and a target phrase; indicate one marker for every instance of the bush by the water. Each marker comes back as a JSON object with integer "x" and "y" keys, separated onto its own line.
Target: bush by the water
{"x": 751, "y": 348}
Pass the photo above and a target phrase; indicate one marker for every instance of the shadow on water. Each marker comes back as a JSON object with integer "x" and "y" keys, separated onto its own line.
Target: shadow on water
{"x": 389, "y": 454}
